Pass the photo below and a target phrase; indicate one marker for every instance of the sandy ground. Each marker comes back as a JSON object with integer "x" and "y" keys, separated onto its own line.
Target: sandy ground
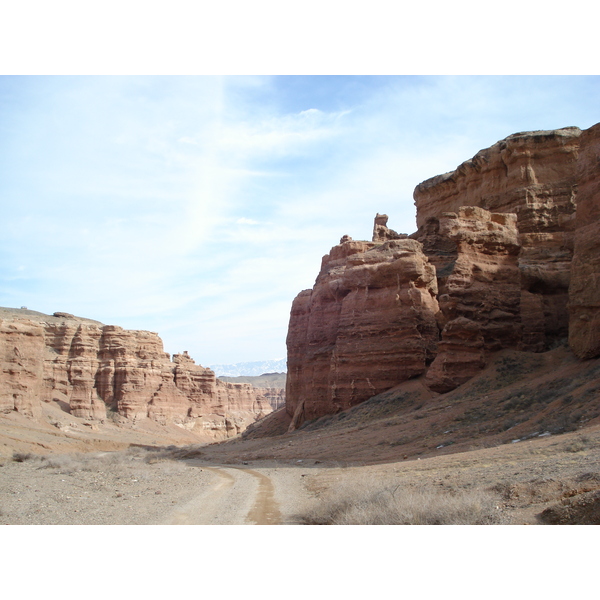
{"x": 502, "y": 434}
{"x": 122, "y": 489}
{"x": 142, "y": 486}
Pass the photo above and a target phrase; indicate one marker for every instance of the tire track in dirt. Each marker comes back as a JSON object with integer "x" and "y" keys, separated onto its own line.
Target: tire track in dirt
{"x": 204, "y": 509}
{"x": 234, "y": 499}
{"x": 265, "y": 510}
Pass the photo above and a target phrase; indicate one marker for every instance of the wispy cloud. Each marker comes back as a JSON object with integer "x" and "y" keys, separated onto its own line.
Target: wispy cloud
{"x": 198, "y": 207}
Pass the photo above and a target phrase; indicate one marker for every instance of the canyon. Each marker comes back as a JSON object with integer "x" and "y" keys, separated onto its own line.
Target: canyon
{"x": 505, "y": 256}
{"x": 99, "y": 373}
{"x": 448, "y": 360}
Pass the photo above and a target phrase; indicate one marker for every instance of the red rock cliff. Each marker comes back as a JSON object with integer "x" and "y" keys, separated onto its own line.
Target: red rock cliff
{"x": 368, "y": 323}
{"x": 89, "y": 368}
{"x": 584, "y": 293}
{"x": 489, "y": 267}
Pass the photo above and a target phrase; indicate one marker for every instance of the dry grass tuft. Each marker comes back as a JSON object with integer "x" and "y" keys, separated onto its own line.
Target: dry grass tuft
{"x": 579, "y": 444}
{"x": 371, "y": 502}
{"x": 136, "y": 462}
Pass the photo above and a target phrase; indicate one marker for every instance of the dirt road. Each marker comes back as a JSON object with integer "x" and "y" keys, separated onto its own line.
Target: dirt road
{"x": 122, "y": 489}
{"x": 236, "y": 496}
{"x": 227, "y": 486}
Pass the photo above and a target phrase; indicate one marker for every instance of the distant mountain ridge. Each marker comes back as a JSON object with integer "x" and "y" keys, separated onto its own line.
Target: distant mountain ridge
{"x": 251, "y": 368}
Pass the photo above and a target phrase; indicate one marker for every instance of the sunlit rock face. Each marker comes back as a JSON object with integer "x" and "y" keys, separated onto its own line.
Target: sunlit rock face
{"x": 90, "y": 368}
{"x": 530, "y": 174}
{"x": 367, "y": 325}
{"x": 533, "y": 176}
{"x": 506, "y": 255}
{"x": 22, "y": 361}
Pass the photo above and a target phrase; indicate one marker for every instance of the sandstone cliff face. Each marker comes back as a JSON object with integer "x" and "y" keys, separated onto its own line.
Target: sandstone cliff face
{"x": 584, "y": 293}
{"x": 495, "y": 244}
{"x": 530, "y": 174}
{"x": 22, "y": 356}
{"x": 89, "y": 369}
{"x": 479, "y": 294}
{"x": 368, "y": 323}
{"x": 274, "y": 396}
{"x": 533, "y": 176}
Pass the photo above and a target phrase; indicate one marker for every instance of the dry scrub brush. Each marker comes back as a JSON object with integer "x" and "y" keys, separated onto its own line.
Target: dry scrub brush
{"x": 133, "y": 461}
{"x": 369, "y": 501}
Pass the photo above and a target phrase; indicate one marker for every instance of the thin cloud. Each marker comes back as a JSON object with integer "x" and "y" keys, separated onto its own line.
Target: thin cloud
{"x": 199, "y": 207}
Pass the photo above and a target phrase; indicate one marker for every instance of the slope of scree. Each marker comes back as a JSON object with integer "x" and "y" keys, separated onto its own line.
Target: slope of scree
{"x": 518, "y": 396}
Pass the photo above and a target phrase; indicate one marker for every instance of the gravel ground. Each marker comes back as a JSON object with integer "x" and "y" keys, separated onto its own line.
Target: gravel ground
{"x": 215, "y": 485}
{"x": 96, "y": 489}
{"x": 135, "y": 488}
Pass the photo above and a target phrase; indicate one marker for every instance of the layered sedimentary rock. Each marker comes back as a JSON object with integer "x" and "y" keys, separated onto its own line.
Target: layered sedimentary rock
{"x": 516, "y": 258}
{"x": 90, "y": 368}
{"x": 530, "y": 180}
{"x": 530, "y": 174}
{"x": 368, "y": 323}
{"x": 22, "y": 360}
{"x": 584, "y": 293}
{"x": 274, "y": 396}
{"x": 479, "y": 294}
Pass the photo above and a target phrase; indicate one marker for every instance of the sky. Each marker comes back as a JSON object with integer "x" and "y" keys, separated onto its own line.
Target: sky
{"x": 199, "y": 206}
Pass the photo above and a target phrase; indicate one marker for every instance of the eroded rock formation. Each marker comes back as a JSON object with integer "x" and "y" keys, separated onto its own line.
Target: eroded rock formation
{"x": 479, "y": 294}
{"x": 584, "y": 292}
{"x": 89, "y": 369}
{"x": 368, "y": 323}
{"x": 506, "y": 255}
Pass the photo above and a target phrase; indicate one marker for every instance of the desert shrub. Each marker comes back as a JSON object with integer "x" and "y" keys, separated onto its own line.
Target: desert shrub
{"x": 173, "y": 453}
{"x": 508, "y": 424}
{"x": 511, "y": 369}
{"x": 372, "y": 502}
{"x": 560, "y": 423}
{"x": 401, "y": 441}
{"x": 23, "y": 456}
{"x": 579, "y": 444}
{"x": 96, "y": 461}
{"x": 68, "y": 463}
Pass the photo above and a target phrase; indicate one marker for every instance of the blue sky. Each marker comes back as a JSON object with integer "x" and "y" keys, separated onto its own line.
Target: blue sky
{"x": 198, "y": 207}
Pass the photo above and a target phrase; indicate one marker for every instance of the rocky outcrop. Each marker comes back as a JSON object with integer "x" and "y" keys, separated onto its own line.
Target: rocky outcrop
{"x": 479, "y": 294}
{"x": 368, "y": 323}
{"x": 584, "y": 293}
{"x": 274, "y": 396}
{"x": 530, "y": 174}
{"x": 22, "y": 360}
{"x": 270, "y": 386}
{"x": 91, "y": 369}
{"x": 516, "y": 261}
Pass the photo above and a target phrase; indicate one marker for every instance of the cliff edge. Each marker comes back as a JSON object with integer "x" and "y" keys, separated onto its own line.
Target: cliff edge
{"x": 506, "y": 255}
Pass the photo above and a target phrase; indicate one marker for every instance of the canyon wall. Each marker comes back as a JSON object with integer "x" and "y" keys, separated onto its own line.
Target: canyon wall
{"x": 95, "y": 371}
{"x": 368, "y": 323}
{"x": 490, "y": 267}
{"x": 584, "y": 292}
